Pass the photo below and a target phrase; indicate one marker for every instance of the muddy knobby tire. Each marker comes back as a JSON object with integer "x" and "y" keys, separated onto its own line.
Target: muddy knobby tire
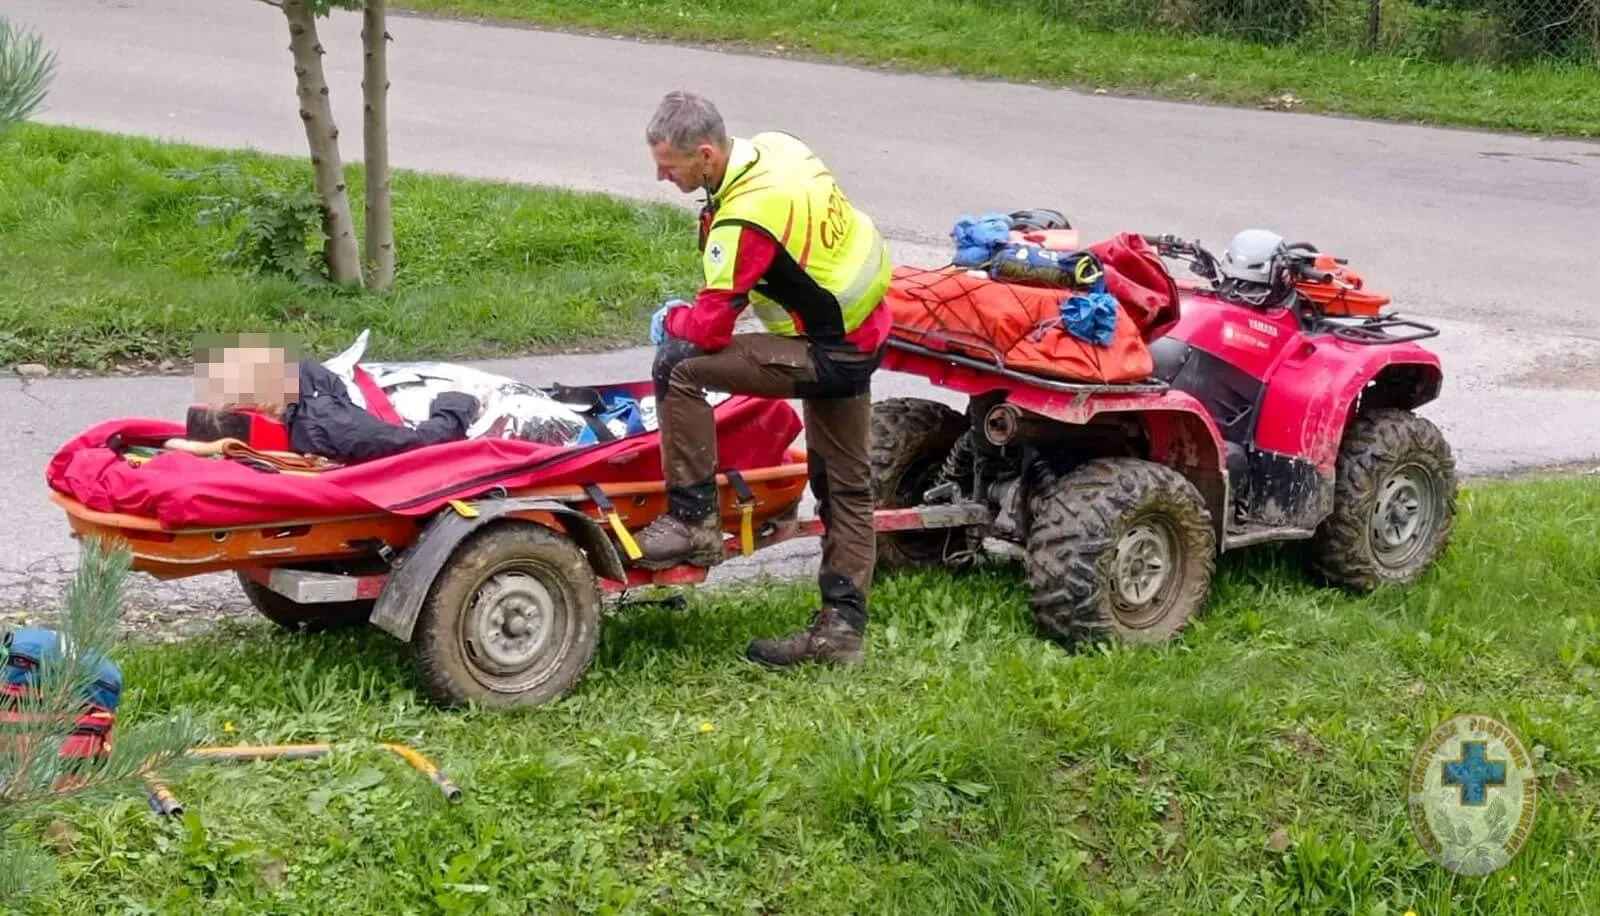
{"x": 911, "y": 437}
{"x": 1395, "y": 463}
{"x": 1090, "y": 530}
{"x": 466, "y": 646}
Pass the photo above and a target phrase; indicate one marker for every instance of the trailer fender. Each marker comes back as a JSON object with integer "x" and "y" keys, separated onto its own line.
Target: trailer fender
{"x": 412, "y": 574}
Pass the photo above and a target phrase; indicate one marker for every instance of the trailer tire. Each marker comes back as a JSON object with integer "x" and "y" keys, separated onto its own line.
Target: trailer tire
{"x": 294, "y": 617}
{"x": 1097, "y": 530}
{"x": 511, "y": 620}
{"x": 911, "y": 439}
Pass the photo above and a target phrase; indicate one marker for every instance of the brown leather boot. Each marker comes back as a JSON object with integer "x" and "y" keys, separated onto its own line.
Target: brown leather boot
{"x": 669, "y": 541}
{"x": 830, "y": 639}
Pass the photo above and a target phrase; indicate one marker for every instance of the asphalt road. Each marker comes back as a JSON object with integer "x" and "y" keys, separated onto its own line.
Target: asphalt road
{"x": 1494, "y": 236}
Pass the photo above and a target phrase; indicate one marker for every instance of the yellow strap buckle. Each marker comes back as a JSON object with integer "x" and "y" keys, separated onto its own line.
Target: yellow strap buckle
{"x": 747, "y": 510}
{"x": 464, "y": 508}
{"x": 609, "y": 509}
{"x": 624, "y": 535}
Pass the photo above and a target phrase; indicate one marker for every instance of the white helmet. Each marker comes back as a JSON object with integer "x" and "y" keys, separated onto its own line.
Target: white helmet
{"x": 1250, "y": 256}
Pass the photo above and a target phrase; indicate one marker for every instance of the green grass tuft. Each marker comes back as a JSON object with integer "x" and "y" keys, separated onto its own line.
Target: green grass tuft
{"x": 104, "y": 260}
{"x": 1259, "y": 766}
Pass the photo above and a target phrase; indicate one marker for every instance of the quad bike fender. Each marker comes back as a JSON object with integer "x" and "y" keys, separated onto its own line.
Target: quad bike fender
{"x": 1179, "y": 431}
{"x": 413, "y": 572}
{"x": 1315, "y": 390}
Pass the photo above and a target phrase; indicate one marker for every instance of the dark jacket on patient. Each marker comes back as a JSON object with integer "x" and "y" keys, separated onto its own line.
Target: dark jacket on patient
{"x": 324, "y": 421}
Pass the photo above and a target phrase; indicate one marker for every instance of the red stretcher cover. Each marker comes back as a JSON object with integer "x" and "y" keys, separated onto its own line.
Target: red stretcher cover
{"x": 180, "y": 490}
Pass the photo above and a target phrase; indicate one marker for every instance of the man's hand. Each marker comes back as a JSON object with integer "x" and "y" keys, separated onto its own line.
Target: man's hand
{"x": 658, "y": 323}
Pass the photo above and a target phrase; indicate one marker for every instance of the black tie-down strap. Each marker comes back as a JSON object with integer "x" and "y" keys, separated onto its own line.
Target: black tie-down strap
{"x": 589, "y": 405}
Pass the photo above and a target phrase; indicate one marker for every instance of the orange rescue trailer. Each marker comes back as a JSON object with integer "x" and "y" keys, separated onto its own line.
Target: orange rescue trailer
{"x": 497, "y": 585}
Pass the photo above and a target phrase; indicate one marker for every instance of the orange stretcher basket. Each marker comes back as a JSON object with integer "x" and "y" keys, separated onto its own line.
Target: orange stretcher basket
{"x": 620, "y": 507}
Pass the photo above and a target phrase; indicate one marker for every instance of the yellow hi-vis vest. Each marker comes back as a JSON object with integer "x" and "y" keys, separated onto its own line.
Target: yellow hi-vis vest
{"x": 775, "y": 182}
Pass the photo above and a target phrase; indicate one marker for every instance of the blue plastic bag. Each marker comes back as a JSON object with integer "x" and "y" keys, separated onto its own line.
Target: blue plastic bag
{"x": 618, "y": 407}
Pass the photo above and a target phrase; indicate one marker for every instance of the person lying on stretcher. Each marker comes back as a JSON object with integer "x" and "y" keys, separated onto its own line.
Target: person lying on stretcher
{"x": 349, "y": 411}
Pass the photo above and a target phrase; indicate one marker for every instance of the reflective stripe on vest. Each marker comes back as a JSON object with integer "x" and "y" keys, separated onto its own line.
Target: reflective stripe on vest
{"x": 789, "y": 192}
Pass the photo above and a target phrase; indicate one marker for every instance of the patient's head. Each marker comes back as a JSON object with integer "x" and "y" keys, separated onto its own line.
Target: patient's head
{"x": 254, "y": 371}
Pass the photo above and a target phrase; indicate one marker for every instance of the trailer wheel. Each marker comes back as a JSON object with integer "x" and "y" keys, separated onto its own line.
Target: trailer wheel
{"x": 1121, "y": 548}
{"x": 911, "y": 439}
{"x": 293, "y": 616}
{"x": 512, "y": 619}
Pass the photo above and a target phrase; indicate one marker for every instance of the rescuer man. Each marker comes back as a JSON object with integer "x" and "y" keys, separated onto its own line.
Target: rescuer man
{"x": 777, "y": 234}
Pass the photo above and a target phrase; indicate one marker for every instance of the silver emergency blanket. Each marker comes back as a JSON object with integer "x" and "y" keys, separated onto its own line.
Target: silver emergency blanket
{"x": 511, "y": 409}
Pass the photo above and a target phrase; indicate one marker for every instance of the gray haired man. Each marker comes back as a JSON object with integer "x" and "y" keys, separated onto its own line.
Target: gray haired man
{"x": 777, "y": 234}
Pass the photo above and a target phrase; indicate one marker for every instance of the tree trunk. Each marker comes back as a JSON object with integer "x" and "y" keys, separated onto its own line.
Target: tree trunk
{"x": 375, "y": 89}
{"x": 322, "y": 135}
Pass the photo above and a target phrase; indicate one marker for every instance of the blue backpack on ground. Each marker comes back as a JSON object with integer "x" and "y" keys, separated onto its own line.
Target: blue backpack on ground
{"x": 27, "y": 648}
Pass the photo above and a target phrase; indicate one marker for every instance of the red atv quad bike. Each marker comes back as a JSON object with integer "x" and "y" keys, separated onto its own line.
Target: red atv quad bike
{"x": 1281, "y": 407}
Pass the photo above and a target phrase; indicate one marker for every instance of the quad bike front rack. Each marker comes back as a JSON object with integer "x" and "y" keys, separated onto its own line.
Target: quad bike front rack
{"x": 1379, "y": 331}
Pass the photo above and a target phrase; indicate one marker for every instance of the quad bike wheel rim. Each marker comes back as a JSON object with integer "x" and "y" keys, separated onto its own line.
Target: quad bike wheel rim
{"x": 511, "y": 622}
{"x": 1403, "y": 515}
{"x": 1145, "y": 571}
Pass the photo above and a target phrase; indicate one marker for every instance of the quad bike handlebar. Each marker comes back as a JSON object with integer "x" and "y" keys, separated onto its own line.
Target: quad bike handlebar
{"x": 1302, "y": 260}
{"x": 1171, "y": 246}
{"x": 1302, "y": 257}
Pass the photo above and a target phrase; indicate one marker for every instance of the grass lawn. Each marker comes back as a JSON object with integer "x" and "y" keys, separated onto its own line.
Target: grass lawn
{"x": 1018, "y": 43}
{"x": 103, "y": 260}
{"x": 969, "y": 766}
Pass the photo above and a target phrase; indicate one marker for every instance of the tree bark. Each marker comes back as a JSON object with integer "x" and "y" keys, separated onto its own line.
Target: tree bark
{"x": 375, "y": 124}
{"x": 322, "y": 136}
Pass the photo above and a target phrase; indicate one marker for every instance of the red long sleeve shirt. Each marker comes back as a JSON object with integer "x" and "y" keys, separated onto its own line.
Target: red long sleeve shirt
{"x": 709, "y": 321}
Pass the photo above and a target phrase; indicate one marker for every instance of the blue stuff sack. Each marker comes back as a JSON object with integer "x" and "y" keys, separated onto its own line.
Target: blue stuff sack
{"x": 27, "y": 648}
{"x": 977, "y": 240}
{"x": 1090, "y": 317}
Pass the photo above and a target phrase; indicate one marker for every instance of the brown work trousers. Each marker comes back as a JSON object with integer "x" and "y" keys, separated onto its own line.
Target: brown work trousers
{"x": 834, "y": 386}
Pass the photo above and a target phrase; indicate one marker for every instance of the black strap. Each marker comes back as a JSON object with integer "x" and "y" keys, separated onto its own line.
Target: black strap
{"x": 599, "y": 497}
{"x": 741, "y": 488}
{"x": 586, "y": 399}
{"x": 601, "y": 431}
{"x": 609, "y": 512}
{"x": 589, "y": 403}
{"x": 747, "y": 508}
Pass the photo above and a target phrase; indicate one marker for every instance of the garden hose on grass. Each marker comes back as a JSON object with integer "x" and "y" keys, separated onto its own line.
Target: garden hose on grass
{"x": 164, "y": 802}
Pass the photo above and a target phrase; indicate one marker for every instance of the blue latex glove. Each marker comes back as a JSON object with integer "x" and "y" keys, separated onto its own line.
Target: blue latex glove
{"x": 658, "y": 322}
